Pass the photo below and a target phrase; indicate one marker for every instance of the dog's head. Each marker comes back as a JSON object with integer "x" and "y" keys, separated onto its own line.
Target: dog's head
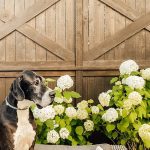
{"x": 31, "y": 86}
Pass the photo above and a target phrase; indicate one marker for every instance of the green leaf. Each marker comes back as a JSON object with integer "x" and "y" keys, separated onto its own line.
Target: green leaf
{"x": 135, "y": 73}
{"x": 100, "y": 107}
{"x": 123, "y": 125}
{"x": 58, "y": 94}
{"x": 67, "y": 94}
{"x": 57, "y": 119}
{"x": 114, "y": 135}
{"x": 123, "y": 142}
{"x": 73, "y": 122}
{"x": 90, "y": 101}
{"x": 113, "y": 80}
{"x": 79, "y": 130}
{"x": 80, "y": 137}
{"x": 62, "y": 123}
{"x": 132, "y": 117}
{"x": 148, "y": 84}
{"x": 125, "y": 113}
{"x": 75, "y": 94}
{"x": 50, "y": 80}
{"x": 38, "y": 122}
{"x": 128, "y": 89}
{"x": 69, "y": 128}
{"x": 110, "y": 127}
{"x": 50, "y": 124}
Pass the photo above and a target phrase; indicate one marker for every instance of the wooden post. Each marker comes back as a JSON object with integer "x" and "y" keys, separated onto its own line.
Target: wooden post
{"x": 79, "y": 45}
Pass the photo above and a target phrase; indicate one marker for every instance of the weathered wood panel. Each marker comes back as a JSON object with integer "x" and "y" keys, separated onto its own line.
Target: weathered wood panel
{"x": 86, "y": 39}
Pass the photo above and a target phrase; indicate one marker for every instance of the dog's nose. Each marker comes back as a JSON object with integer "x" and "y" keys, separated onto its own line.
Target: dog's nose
{"x": 52, "y": 94}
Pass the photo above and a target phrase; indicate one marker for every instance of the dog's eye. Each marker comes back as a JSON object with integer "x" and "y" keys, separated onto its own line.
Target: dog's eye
{"x": 37, "y": 82}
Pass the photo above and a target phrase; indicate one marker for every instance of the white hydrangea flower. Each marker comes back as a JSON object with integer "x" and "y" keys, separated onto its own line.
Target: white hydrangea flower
{"x": 123, "y": 81}
{"x": 47, "y": 113}
{"x": 68, "y": 101}
{"x": 59, "y": 109}
{"x": 36, "y": 113}
{"x": 89, "y": 125}
{"x": 64, "y": 133}
{"x": 82, "y": 105}
{"x": 58, "y": 89}
{"x": 52, "y": 137}
{"x": 128, "y": 66}
{"x": 135, "y": 82}
{"x": 146, "y": 73}
{"x": 65, "y": 82}
{"x": 144, "y": 132}
{"x": 94, "y": 109}
{"x": 127, "y": 104}
{"x": 118, "y": 83}
{"x": 55, "y": 124}
{"x": 135, "y": 98}
{"x": 109, "y": 91}
{"x": 110, "y": 115}
{"x": 104, "y": 99}
{"x": 82, "y": 114}
{"x": 59, "y": 100}
{"x": 71, "y": 112}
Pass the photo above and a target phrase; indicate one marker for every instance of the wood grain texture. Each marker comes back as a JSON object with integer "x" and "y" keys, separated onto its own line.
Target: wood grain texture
{"x": 25, "y": 16}
{"x": 118, "y": 37}
{"x": 79, "y": 45}
{"x": 51, "y": 37}
{"x": 125, "y": 9}
{"x": 2, "y": 42}
{"x": 30, "y": 45}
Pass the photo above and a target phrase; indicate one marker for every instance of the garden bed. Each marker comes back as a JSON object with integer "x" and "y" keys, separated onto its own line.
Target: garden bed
{"x": 89, "y": 147}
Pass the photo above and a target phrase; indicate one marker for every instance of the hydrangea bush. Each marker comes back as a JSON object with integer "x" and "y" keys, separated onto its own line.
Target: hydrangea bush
{"x": 61, "y": 122}
{"x": 122, "y": 113}
{"x": 126, "y": 108}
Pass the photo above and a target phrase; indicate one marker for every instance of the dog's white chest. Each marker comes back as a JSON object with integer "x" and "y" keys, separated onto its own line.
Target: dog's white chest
{"x": 24, "y": 135}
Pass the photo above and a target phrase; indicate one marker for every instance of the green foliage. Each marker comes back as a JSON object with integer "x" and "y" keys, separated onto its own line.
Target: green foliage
{"x": 125, "y": 129}
{"x": 77, "y": 133}
{"x": 79, "y": 130}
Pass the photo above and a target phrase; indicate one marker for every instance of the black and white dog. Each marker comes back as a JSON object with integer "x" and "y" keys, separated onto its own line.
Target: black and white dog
{"x": 17, "y": 127}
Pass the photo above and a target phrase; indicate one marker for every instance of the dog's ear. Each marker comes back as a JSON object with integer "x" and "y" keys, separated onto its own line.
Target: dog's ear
{"x": 16, "y": 89}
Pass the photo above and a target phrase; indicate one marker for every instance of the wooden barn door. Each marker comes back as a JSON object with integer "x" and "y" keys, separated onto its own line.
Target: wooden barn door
{"x": 86, "y": 39}
{"x": 113, "y": 31}
{"x": 37, "y": 35}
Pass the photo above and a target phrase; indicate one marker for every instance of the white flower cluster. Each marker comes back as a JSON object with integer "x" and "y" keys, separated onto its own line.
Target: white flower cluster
{"x": 89, "y": 125}
{"x": 135, "y": 98}
{"x": 82, "y": 105}
{"x": 71, "y": 112}
{"x": 146, "y": 74}
{"x": 128, "y": 66}
{"x": 94, "y": 109}
{"x": 82, "y": 114}
{"x": 52, "y": 137}
{"x": 144, "y": 132}
{"x": 68, "y": 101}
{"x": 110, "y": 115}
{"x": 127, "y": 104}
{"x": 104, "y": 99}
{"x": 134, "y": 82}
{"x": 45, "y": 113}
{"x": 59, "y": 100}
{"x": 64, "y": 133}
{"x": 59, "y": 109}
{"x": 65, "y": 82}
